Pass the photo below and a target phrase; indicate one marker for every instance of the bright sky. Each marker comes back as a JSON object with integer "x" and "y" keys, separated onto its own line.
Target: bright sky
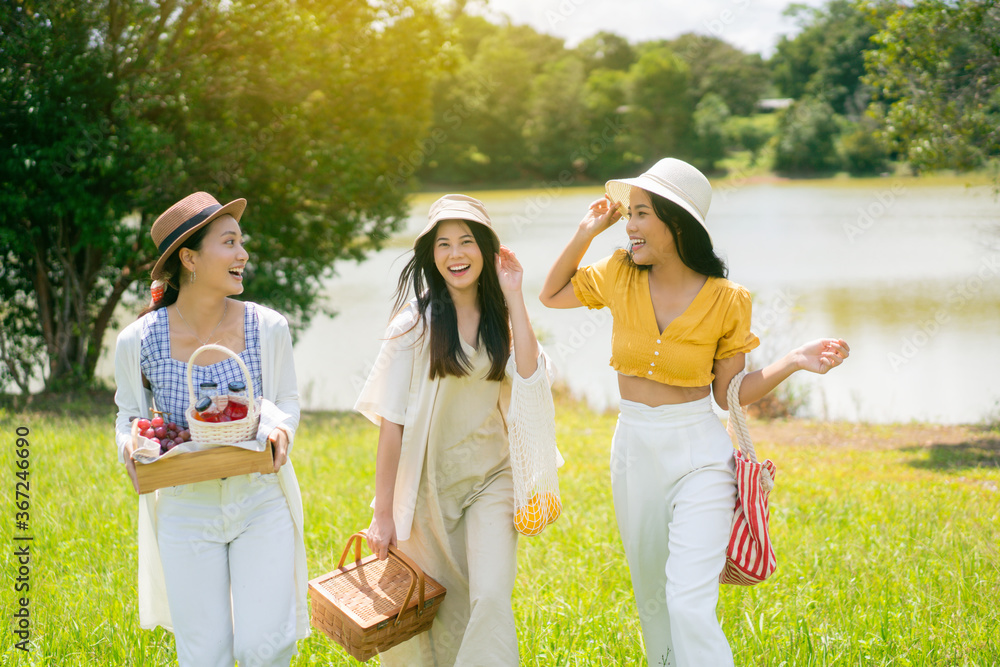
{"x": 752, "y": 25}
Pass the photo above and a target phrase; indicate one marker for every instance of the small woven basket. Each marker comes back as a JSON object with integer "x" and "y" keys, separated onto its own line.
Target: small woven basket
{"x": 222, "y": 433}
{"x": 369, "y": 606}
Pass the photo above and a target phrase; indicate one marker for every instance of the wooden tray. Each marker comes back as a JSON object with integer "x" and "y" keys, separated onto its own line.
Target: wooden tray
{"x": 215, "y": 463}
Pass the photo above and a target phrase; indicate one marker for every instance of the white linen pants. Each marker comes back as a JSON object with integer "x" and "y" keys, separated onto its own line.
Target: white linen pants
{"x": 674, "y": 488}
{"x": 227, "y": 547}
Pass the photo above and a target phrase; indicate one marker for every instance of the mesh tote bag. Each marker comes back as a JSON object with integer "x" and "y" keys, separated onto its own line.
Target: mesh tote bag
{"x": 534, "y": 458}
{"x": 750, "y": 556}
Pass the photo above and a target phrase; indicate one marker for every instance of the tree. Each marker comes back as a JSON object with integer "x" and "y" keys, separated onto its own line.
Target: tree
{"x": 660, "y": 106}
{"x": 862, "y": 151}
{"x": 717, "y": 67}
{"x": 709, "y": 123}
{"x": 936, "y": 76}
{"x": 825, "y": 60}
{"x": 606, "y": 50}
{"x": 117, "y": 109}
{"x": 556, "y": 125}
{"x": 483, "y": 110}
{"x": 806, "y": 135}
{"x": 494, "y": 130}
{"x": 751, "y": 133}
{"x": 605, "y": 152}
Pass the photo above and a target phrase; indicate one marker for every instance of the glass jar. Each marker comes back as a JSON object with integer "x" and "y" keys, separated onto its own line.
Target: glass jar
{"x": 209, "y": 389}
{"x": 205, "y": 411}
{"x": 238, "y": 405}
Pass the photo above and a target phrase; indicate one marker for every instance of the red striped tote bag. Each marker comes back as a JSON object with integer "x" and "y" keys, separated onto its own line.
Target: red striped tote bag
{"x": 750, "y": 556}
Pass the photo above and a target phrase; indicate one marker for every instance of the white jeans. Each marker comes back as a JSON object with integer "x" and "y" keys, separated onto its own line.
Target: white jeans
{"x": 672, "y": 476}
{"x": 227, "y": 548}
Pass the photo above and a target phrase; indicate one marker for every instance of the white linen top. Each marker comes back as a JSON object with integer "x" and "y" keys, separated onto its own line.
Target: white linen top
{"x": 399, "y": 389}
{"x": 280, "y": 409}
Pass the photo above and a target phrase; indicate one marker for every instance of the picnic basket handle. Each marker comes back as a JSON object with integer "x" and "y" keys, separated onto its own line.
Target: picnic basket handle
{"x": 220, "y": 348}
{"x": 416, "y": 574}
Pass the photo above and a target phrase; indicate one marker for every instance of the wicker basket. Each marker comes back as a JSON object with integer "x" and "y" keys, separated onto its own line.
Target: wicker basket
{"x": 370, "y": 606}
{"x": 223, "y": 433}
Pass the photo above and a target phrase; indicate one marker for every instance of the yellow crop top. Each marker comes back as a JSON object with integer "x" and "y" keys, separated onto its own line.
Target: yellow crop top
{"x": 715, "y": 326}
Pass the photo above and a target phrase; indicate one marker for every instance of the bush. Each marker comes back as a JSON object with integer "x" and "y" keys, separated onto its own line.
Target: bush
{"x": 750, "y": 133}
{"x": 862, "y": 152}
{"x": 710, "y": 118}
{"x": 806, "y": 135}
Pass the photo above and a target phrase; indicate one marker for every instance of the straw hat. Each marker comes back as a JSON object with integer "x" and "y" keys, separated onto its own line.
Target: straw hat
{"x": 457, "y": 207}
{"x": 185, "y": 218}
{"x": 672, "y": 179}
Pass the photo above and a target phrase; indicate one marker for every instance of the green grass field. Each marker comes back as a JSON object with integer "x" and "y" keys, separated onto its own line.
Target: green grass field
{"x": 887, "y": 541}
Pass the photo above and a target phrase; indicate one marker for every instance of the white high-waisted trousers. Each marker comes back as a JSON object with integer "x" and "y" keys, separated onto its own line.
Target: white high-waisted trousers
{"x": 228, "y": 551}
{"x": 672, "y": 476}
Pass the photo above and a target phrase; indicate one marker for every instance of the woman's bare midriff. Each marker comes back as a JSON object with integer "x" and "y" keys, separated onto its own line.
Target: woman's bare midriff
{"x": 653, "y": 393}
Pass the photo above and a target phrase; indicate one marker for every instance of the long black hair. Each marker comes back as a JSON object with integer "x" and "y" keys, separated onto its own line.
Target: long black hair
{"x": 172, "y": 270}
{"x": 422, "y": 276}
{"x": 693, "y": 243}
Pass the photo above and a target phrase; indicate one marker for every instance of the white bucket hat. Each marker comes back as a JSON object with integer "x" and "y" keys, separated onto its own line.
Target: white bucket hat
{"x": 672, "y": 179}
{"x": 457, "y": 207}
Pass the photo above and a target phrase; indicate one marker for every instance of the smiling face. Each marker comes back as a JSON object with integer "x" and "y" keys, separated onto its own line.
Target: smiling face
{"x": 649, "y": 237}
{"x": 457, "y": 255}
{"x": 219, "y": 263}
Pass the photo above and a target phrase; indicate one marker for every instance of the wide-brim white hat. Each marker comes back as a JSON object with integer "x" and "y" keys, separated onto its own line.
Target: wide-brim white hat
{"x": 672, "y": 179}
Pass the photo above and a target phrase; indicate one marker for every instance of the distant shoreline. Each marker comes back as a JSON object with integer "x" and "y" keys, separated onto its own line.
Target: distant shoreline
{"x": 943, "y": 178}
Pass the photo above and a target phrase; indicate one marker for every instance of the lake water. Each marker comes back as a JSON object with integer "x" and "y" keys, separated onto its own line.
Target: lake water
{"x": 907, "y": 271}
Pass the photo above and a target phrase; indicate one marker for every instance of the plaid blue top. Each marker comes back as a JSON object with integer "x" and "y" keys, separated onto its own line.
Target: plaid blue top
{"x": 168, "y": 376}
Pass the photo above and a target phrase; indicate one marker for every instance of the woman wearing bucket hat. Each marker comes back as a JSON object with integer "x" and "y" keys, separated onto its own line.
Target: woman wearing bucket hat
{"x": 221, "y": 563}
{"x": 439, "y": 392}
{"x": 680, "y": 333}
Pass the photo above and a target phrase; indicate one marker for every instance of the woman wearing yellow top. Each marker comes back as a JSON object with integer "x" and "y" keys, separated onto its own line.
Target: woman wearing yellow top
{"x": 681, "y": 331}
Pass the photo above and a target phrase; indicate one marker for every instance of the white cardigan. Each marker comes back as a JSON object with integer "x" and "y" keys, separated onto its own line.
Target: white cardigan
{"x": 280, "y": 410}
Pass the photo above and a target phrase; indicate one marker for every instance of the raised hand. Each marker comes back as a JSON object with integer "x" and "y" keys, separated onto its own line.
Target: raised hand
{"x": 509, "y": 271}
{"x": 601, "y": 215}
{"x": 819, "y": 356}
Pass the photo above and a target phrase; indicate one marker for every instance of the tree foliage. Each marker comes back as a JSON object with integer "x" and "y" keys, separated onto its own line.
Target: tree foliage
{"x": 862, "y": 152}
{"x": 606, "y": 50}
{"x": 556, "y": 124}
{"x": 936, "y": 76}
{"x": 660, "y": 105}
{"x": 324, "y": 113}
{"x": 826, "y": 58}
{"x": 717, "y": 67}
{"x": 807, "y": 134}
{"x": 709, "y": 122}
{"x": 114, "y": 110}
{"x": 521, "y": 106}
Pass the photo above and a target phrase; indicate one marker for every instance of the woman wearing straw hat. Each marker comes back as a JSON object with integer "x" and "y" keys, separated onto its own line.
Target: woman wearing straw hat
{"x": 680, "y": 332}
{"x": 439, "y": 392}
{"x": 221, "y": 563}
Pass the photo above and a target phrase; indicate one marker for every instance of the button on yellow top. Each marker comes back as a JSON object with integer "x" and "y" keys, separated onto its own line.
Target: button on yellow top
{"x": 716, "y": 325}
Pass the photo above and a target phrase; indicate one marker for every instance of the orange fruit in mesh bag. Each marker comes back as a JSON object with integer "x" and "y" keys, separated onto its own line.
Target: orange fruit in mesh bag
{"x": 552, "y": 505}
{"x": 530, "y": 519}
